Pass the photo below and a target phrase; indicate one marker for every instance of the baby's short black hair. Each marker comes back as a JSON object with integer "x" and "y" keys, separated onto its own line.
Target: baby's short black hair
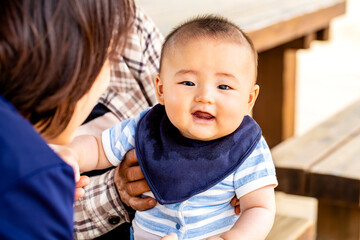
{"x": 212, "y": 26}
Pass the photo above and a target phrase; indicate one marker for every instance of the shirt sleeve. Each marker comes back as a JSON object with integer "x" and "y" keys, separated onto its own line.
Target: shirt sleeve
{"x": 256, "y": 172}
{"x": 120, "y": 139}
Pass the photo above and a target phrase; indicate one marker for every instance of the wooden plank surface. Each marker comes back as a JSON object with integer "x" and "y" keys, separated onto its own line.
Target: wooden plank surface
{"x": 306, "y": 151}
{"x": 337, "y": 177}
{"x": 296, "y": 206}
{"x": 295, "y": 27}
{"x": 344, "y": 161}
{"x": 295, "y": 218}
{"x": 291, "y": 228}
{"x": 268, "y": 22}
{"x": 325, "y": 164}
{"x": 296, "y": 157}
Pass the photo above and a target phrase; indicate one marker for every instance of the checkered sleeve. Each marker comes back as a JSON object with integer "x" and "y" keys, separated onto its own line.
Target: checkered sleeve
{"x": 131, "y": 87}
{"x": 96, "y": 211}
{"x": 131, "y": 90}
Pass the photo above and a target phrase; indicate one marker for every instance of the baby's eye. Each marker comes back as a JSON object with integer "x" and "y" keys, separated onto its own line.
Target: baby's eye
{"x": 187, "y": 83}
{"x": 224, "y": 87}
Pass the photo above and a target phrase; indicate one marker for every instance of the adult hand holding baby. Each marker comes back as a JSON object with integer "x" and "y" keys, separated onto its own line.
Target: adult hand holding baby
{"x": 130, "y": 183}
{"x": 70, "y": 157}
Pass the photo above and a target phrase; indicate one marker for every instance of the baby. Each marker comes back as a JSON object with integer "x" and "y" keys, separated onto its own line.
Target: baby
{"x": 198, "y": 147}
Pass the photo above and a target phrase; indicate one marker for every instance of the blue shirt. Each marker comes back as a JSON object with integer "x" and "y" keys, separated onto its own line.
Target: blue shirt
{"x": 202, "y": 215}
{"x": 36, "y": 186}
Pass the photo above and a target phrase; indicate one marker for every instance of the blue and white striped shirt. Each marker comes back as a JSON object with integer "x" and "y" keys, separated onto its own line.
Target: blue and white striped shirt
{"x": 203, "y": 215}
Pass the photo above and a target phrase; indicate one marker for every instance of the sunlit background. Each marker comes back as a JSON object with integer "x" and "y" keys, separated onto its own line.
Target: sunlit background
{"x": 329, "y": 72}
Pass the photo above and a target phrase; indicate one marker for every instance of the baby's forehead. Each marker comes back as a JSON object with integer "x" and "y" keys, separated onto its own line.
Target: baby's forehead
{"x": 177, "y": 43}
{"x": 207, "y": 43}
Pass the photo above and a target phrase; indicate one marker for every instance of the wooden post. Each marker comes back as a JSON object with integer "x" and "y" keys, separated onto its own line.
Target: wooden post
{"x": 268, "y": 108}
{"x": 275, "y": 108}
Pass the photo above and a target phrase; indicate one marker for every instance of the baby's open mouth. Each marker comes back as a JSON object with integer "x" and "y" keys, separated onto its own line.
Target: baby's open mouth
{"x": 203, "y": 115}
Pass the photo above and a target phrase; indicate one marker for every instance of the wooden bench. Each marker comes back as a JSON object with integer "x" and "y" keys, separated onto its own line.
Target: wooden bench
{"x": 325, "y": 163}
{"x": 295, "y": 218}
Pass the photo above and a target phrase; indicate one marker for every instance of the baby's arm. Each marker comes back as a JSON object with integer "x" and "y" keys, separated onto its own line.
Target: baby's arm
{"x": 109, "y": 149}
{"x": 89, "y": 153}
{"x": 257, "y": 216}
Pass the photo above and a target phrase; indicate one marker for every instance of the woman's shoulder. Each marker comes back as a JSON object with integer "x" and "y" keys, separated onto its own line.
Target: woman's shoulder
{"x": 23, "y": 152}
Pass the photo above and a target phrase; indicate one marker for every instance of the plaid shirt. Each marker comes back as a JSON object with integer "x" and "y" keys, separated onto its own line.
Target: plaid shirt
{"x": 131, "y": 90}
{"x": 131, "y": 87}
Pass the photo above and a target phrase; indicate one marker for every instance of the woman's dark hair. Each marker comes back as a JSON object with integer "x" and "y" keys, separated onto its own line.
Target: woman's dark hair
{"x": 51, "y": 52}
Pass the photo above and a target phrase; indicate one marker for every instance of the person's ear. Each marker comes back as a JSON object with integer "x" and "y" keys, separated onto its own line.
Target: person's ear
{"x": 252, "y": 97}
{"x": 159, "y": 89}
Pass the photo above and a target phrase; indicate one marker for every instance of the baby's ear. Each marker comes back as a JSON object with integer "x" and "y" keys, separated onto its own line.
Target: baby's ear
{"x": 253, "y": 96}
{"x": 159, "y": 89}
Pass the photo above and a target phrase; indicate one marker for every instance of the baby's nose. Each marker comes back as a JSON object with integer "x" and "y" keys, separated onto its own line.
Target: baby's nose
{"x": 205, "y": 96}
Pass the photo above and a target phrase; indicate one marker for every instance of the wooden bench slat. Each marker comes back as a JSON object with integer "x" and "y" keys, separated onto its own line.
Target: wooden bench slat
{"x": 295, "y": 157}
{"x": 252, "y": 16}
{"x": 344, "y": 164}
{"x": 325, "y": 164}
{"x": 296, "y": 206}
{"x": 290, "y": 228}
{"x": 305, "y": 151}
{"x": 295, "y": 218}
{"x": 335, "y": 164}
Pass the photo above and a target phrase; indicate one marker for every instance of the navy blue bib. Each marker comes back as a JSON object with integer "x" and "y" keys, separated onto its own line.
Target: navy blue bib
{"x": 177, "y": 168}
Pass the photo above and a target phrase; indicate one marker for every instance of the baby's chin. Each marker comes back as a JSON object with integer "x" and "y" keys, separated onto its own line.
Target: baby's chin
{"x": 202, "y": 137}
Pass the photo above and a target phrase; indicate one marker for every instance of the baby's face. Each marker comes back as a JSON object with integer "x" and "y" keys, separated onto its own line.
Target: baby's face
{"x": 207, "y": 87}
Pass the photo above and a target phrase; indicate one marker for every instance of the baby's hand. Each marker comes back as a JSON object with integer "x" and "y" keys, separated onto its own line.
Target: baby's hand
{"x": 69, "y": 156}
{"x": 79, "y": 191}
{"x": 171, "y": 236}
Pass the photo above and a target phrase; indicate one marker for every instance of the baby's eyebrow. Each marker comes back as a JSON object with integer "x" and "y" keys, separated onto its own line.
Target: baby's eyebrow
{"x": 227, "y": 75}
{"x": 186, "y": 71}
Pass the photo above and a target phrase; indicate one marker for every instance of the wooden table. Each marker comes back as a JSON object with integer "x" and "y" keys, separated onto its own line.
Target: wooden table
{"x": 277, "y": 28}
{"x": 325, "y": 163}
